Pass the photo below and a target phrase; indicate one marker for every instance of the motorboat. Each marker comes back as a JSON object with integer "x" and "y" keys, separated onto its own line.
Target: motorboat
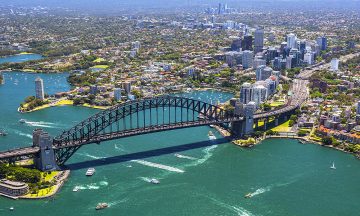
{"x": 2, "y": 133}
{"x": 154, "y": 181}
{"x": 76, "y": 189}
{"x": 211, "y": 135}
{"x": 333, "y": 166}
{"x": 11, "y": 208}
{"x": 90, "y": 172}
{"x": 22, "y": 121}
{"x": 249, "y": 195}
{"x": 101, "y": 206}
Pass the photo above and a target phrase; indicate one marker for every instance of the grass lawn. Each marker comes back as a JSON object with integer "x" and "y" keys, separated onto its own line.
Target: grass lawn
{"x": 42, "y": 192}
{"x": 277, "y": 103}
{"x": 99, "y": 60}
{"x": 64, "y": 102}
{"x": 49, "y": 177}
{"x": 283, "y": 127}
{"x": 100, "y": 66}
{"x": 26, "y": 53}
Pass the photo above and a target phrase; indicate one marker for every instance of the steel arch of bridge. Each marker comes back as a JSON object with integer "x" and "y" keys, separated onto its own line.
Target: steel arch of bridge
{"x": 93, "y": 129}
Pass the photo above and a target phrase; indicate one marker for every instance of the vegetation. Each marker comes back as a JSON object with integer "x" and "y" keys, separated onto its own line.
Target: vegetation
{"x": 31, "y": 103}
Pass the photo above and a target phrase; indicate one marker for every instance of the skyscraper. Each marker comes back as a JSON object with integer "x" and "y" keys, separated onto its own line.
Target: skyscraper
{"x": 245, "y": 93}
{"x": 247, "y": 43}
{"x": 259, "y": 94}
{"x": 39, "y": 88}
{"x": 117, "y": 94}
{"x": 322, "y": 42}
{"x": 334, "y": 64}
{"x": 291, "y": 40}
{"x": 247, "y": 59}
{"x": 258, "y": 40}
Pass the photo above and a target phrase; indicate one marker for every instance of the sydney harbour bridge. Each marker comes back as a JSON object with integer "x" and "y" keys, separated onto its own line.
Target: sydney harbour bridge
{"x": 148, "y": 115}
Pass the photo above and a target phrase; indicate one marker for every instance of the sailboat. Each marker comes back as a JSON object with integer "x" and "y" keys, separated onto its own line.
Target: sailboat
{"x": 333, "y": 166}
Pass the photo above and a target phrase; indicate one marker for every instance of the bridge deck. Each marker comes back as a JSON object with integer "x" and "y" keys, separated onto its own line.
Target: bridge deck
{"x": 26, "y": 151}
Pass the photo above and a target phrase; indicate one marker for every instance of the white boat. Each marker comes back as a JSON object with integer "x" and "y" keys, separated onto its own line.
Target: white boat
{"x": 90, "y": 172}
{"x": 76, "y": 189}
{"x": 333, "y": 166}
{"x": 11, "y": 208}
{"x": 101, "y": 206}
{"x": 22, "y": 121}
{"x": 154, "y": 181}
{"x": 211, "y": 136}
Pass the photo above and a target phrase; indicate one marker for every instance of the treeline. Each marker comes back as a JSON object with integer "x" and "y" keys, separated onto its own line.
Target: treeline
{"x": 31, "y": 103}
{"x": 21, "y": 174}
{"x": 8, "y": 52}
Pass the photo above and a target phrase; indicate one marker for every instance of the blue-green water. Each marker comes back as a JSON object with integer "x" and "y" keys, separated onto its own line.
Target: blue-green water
{"x": 205, "y": 178}
{"x": 20, "y": 58}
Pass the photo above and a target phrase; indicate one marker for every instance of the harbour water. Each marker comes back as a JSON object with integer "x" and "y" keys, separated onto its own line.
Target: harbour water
{"x": 197, "y": 176}
{"x": 20, "y": 58}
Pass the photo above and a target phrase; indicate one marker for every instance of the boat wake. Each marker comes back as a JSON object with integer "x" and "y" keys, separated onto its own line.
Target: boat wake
{"x": 236, "y": 209}
{"x": 159, "y": 166}
{"x": 23, "y": 134}
{"x": 114, "y": 203}
{"x": 184, "y": 157}
{"x": 260, "y": 191}
{"x": 43, "y": 124}
{"x": 119, "y": 147}
{"x": 92, "y": 186}
{"x": 146, "y": 179}
{"x": 90, "y": 156}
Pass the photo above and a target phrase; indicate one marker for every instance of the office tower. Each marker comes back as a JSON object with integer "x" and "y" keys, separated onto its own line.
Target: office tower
{"x": 322, "y": 42}
{"x": 259, "y": 94}
{"x": 39, "y": 88}
{"x": 308, "y": 58}
{"x": 236, "y": 44}
{"x": 245, "y": 93}
{"x": 271, "y": 54}
{"x": 258, "y": 62}
{"x": 289, "y": 62}
{"x": 117, "y": 94}
{"x": 247, "y": 43}
{"x": 127, "y": 87}
{"x": 334, "y": 64}
{"x": 247, "y": 59}
{"x": 220, "y": 9}
{"x": 258, "y": 40}
{"x": 291, "y": 41}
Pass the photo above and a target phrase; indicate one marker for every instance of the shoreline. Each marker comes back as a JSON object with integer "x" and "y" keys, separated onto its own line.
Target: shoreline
{"x": 64, "y": 175}
{"x": 306, "y": 139}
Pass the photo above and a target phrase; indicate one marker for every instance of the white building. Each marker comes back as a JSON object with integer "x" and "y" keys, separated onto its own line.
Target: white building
{"x": 291, "y": 40}
{"x": 308, "y": 58}
{"x": 39, "y": 88}
{"x": 259, "y": 94}
{"x": 334, "y": 64}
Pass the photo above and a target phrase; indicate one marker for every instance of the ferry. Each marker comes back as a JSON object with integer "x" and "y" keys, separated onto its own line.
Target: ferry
{"x": 90, "y": 172}
{"x": 154, "y": 181}
{"x": 22, "y": 121}
{"x": 101, "y": 206}
{"x": 249, "y": 195}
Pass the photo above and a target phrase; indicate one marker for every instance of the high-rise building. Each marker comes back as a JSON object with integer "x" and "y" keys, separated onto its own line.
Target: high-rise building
{"x": 358, "y": 108}
{"x": 308, "y": 58}
{"x": 258, "y": 40}
{"x": 271, "y": 54}
{"x": 245, "y": 93}
{"x": 236, "y": 44}
{"x": 247, "y": 59}
{"x": 291, "y": 41}
{"x": 259, "y": 93}
{"x": 258, "y": 62}
{"x": 117, "y": 94}
{"x": 247, "y": 43}
{"x": 39, "y": 89}
{"x": 258, "y": 72}
{"x": 322, "y": 42}
{"x": 334, "y": 64}
{"x": 127, "y": 87}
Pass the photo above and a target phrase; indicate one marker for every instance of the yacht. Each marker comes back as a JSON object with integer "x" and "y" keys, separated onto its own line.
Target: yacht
{"x": 154, "y": 181}
{"x": 333, "y": 166}
{"x": 90, "y": 172}
{"x": 101, "y": 206}
{"x": 22, "y": 121}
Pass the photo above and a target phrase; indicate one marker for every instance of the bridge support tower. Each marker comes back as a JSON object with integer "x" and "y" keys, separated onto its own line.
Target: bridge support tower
{"x": 45, "y": 160}
{"x": 246, "y": 126}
